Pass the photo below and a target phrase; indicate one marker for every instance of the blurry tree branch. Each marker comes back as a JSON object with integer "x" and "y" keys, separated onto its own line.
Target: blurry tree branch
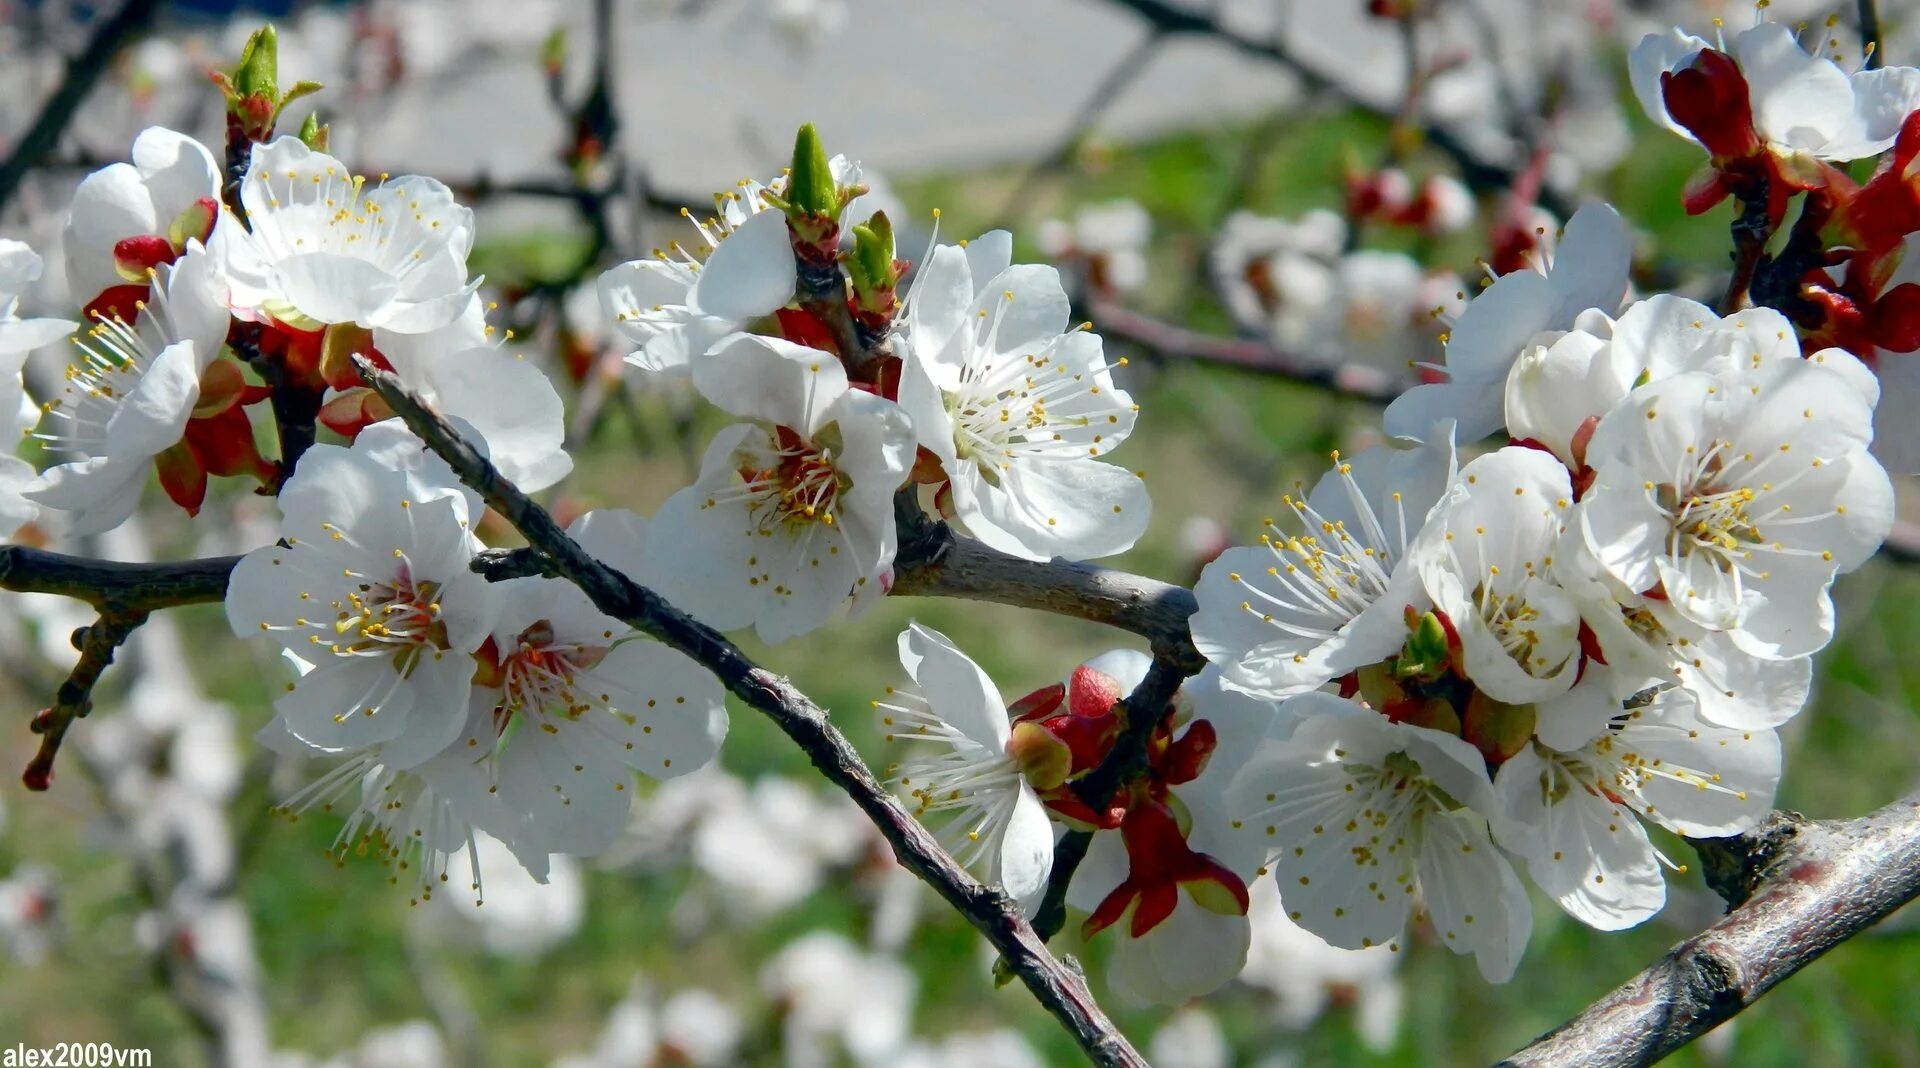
{"x": 1170, "y": 341}
{"x": 1061, "y": 989}
{"x": 83, "y": 70}
{"x": 1483, "y": 174}
{"x": 1797, "y": 888}
{"x": 1121, "y": 74}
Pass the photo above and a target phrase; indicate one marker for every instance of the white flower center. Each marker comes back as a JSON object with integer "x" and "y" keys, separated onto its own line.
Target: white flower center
{"x": 789, "y": 482}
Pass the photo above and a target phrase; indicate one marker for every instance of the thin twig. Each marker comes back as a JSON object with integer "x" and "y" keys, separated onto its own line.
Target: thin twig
{"x": 1162, "y": 338}
{"x": 1751, "y": 230}
{"x": 1062, "y": 990}
{"x": 1475, "y": 170}
{"x": 1808, "y": 887}
{"x": 74, "y": 699}
{"x": 82, "y": 72}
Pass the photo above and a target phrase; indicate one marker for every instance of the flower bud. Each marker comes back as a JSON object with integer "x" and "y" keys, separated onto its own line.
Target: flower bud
{"x": 1428, "y": 653}
{"x": 810, "y": 186}
{"x": 314, "y": 134}
{"x": 258, "y": 73}
{"x": 193, "y": 224}
{"x": 874, "y": 271}
{"x": 1497, "y": 729}
{"x": 1044, "y": 759}
{"x": 134, "y": 257}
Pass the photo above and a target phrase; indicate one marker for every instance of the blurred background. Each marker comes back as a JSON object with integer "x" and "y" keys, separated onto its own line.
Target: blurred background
{"x": 1261, "y": 203}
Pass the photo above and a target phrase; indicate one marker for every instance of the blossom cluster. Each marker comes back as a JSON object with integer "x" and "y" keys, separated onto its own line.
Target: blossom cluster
{"x": 1440, "y": 668}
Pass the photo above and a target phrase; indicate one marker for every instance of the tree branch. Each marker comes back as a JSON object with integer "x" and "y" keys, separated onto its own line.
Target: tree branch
{"x": 82, "y": 72}
{"x": 1798, "y": 888}
{"x": 1477, "y": 171}
{"x": 1062, "y": 990}
{"x": 1115, "y": 320}
{"x": 934, "y": 562}
{"x": 74, "y": 699}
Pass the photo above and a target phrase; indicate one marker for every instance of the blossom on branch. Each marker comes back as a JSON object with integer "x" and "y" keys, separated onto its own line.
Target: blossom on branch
{"x": 793, "y": 511}
{"x": 19, "y": 268}
{"x": 1016, "y": 407}
{"x": 155, "y": 392}
{"x": 320, "y": 247}
{"x": 130, "y": 218}
{"x": 970, "y": 760}
{"x": 1305, "y": 607}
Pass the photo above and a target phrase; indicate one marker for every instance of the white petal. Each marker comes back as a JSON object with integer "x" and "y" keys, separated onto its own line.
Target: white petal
{"x": 178, "y": 171}
{"x": 749, "y": 274}
{"x": 155, "y": 412}
{"x": 331, "y": 288}
{"x": 1656, "y": 54}
{"x": 771, "y": 380}
{"x": 1477, "y": 903}
{"x": 1026, "y": 850}
{"x": 1586, "y": 852}
{"x": 1076, "y": 509}
{"x": 960, "y": 692}
{"x": 1590, "y": 267}
{"x": 672, "y": 712}
{"x": 1190, "y": 953}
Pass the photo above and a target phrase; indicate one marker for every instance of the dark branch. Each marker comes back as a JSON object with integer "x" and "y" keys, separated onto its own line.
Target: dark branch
{"x": 1799, "y": 889}
{"x": 97, "y": 644}
{"x": 82, "y": 72}
{"x": 1062, "y": 990}
{"x": 113, "y": 586}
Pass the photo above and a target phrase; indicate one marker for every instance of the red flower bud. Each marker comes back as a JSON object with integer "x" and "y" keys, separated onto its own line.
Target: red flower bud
{"x": 1709, "y": 97}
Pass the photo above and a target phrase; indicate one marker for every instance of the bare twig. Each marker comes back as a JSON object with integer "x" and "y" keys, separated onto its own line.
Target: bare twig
{"x": 97, "y": 644}
{"x": 1062, "y": 990}
{"x": 1799, "y": 888}
{"x": 83, "y": 70}
{"x": 1751, "y": 230}
{"x": 1477, "y": 171}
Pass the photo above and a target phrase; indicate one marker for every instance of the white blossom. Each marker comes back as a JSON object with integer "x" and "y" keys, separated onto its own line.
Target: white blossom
{"x": 793, "y": 511}
{"x": 1738, "y": 497}
{"x": 170, "y": 192}
{"x": 1016, "y": 407}
{"x": 320, "y": 247}
{"x": 1588, "y": 269}
{"x": 1356, "y": 814}
{"x": 1307, "y": 606}
{"x": 1571, "y": 814}
{"x": 1802, "y": 103}
{"x": 966, "y": 767}
{"x": 132, "y": 390}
